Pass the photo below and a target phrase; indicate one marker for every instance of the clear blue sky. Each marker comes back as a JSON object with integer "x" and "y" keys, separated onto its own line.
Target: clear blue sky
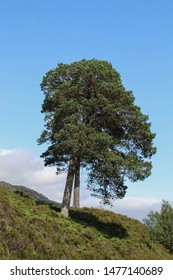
{"x": 136, "y": 36}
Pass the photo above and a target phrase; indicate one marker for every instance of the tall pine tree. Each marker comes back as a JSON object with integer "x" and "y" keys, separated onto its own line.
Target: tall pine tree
{"x": 91, "y": 121}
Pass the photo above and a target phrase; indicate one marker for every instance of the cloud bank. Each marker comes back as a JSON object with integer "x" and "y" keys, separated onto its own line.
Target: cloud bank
{"x": 22, "y": 167}
{"x": 134, "y": 207}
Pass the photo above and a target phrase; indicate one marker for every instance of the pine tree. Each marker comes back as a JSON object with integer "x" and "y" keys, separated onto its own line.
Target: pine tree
{"x": 91, "y": 121}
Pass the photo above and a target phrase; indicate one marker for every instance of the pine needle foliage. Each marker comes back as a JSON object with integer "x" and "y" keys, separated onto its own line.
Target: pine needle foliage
{"x": 91, "y": 121}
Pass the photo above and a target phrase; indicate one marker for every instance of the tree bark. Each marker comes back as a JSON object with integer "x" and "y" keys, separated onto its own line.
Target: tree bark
{"x": 68, "y": 189}
{"x": 76, "y": 194}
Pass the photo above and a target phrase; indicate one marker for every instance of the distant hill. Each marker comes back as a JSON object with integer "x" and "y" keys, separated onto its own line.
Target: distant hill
{"x": 30, "y": 228}
{"x": 39, "y": 198}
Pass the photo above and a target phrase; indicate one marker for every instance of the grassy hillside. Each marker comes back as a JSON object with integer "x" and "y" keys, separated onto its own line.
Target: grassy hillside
{"x": 39, "y": 198}
{"x": 31, "y": 230}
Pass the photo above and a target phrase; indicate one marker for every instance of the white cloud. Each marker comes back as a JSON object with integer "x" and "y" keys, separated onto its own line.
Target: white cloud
{"x": 22, "y": 167}
{"x": 134, "y": 207}
{"x": 4, "y": 152}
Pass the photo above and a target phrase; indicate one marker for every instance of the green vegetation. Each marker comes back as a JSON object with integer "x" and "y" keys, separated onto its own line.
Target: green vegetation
{"x": 38, "y": 198}
{"x": 29, "y": 230}
{"x": 160, "y": 225}
{"x": 92, "y": 121}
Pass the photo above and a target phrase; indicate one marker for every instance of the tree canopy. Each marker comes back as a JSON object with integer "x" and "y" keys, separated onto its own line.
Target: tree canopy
{"x": 160, "y": 225}
{"x": 91, "y": 121}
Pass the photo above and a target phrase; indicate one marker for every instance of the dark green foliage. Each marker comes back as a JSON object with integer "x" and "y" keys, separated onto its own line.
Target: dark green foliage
{"x": 89, "y": 218}
{"x": 32, "y": 231}
{"x": 161, "y": 225}
{"x": 92, "y": 121}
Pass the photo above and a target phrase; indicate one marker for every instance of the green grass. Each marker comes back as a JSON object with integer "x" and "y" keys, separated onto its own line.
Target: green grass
{"x": 31, "y": 230}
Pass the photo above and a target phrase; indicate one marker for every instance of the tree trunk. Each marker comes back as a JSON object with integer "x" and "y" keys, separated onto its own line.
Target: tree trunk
{"x": 68, "y": 189}
{"x": 76, "y": 194}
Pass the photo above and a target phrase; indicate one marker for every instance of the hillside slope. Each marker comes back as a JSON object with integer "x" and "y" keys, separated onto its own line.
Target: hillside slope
{"x": 29, "y": 230}
{"x": 39, "y": 198}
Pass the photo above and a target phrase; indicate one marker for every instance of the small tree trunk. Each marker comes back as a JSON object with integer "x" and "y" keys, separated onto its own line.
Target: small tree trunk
{"x": 76, "y": 195}
{"x": 68, "y": 189}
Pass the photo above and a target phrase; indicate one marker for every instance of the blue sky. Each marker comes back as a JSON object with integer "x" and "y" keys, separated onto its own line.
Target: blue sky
{"x": 135, "y": 36}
